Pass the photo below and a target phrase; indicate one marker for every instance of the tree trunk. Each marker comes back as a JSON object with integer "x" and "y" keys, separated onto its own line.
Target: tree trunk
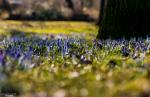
{"x": 101, "y": 13}
{"x": 124, "y": 18}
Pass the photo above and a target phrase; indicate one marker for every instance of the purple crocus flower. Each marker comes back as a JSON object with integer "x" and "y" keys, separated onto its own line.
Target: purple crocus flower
{"x": 2, "y": 56}
{"x": 125, "y": 51}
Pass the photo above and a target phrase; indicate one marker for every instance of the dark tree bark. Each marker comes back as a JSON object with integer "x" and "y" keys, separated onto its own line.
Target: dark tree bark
{"x": 101, "y": 13}
{"x": 124, "y": 18}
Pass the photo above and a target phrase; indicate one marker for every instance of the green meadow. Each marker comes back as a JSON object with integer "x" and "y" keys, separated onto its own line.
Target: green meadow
{"x": 110, "y": 71}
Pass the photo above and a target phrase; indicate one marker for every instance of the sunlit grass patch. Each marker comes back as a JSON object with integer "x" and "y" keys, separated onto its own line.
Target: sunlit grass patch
{"x": 89, "y": 30}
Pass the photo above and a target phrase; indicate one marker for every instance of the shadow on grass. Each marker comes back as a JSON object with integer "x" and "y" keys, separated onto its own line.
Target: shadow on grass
{"x": 30, "y": 35}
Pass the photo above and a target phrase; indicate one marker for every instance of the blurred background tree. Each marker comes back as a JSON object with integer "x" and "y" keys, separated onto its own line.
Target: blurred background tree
{"x": 5, "y": 9}
{"x": 84, "y": 10}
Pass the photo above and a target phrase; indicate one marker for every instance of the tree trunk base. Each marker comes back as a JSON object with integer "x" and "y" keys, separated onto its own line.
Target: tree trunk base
{"x": 125, "y": 18}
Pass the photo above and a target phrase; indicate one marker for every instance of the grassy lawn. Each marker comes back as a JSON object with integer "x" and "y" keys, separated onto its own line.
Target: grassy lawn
{"x": 73, "y": 66}
{"x": 55, "y": 27}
